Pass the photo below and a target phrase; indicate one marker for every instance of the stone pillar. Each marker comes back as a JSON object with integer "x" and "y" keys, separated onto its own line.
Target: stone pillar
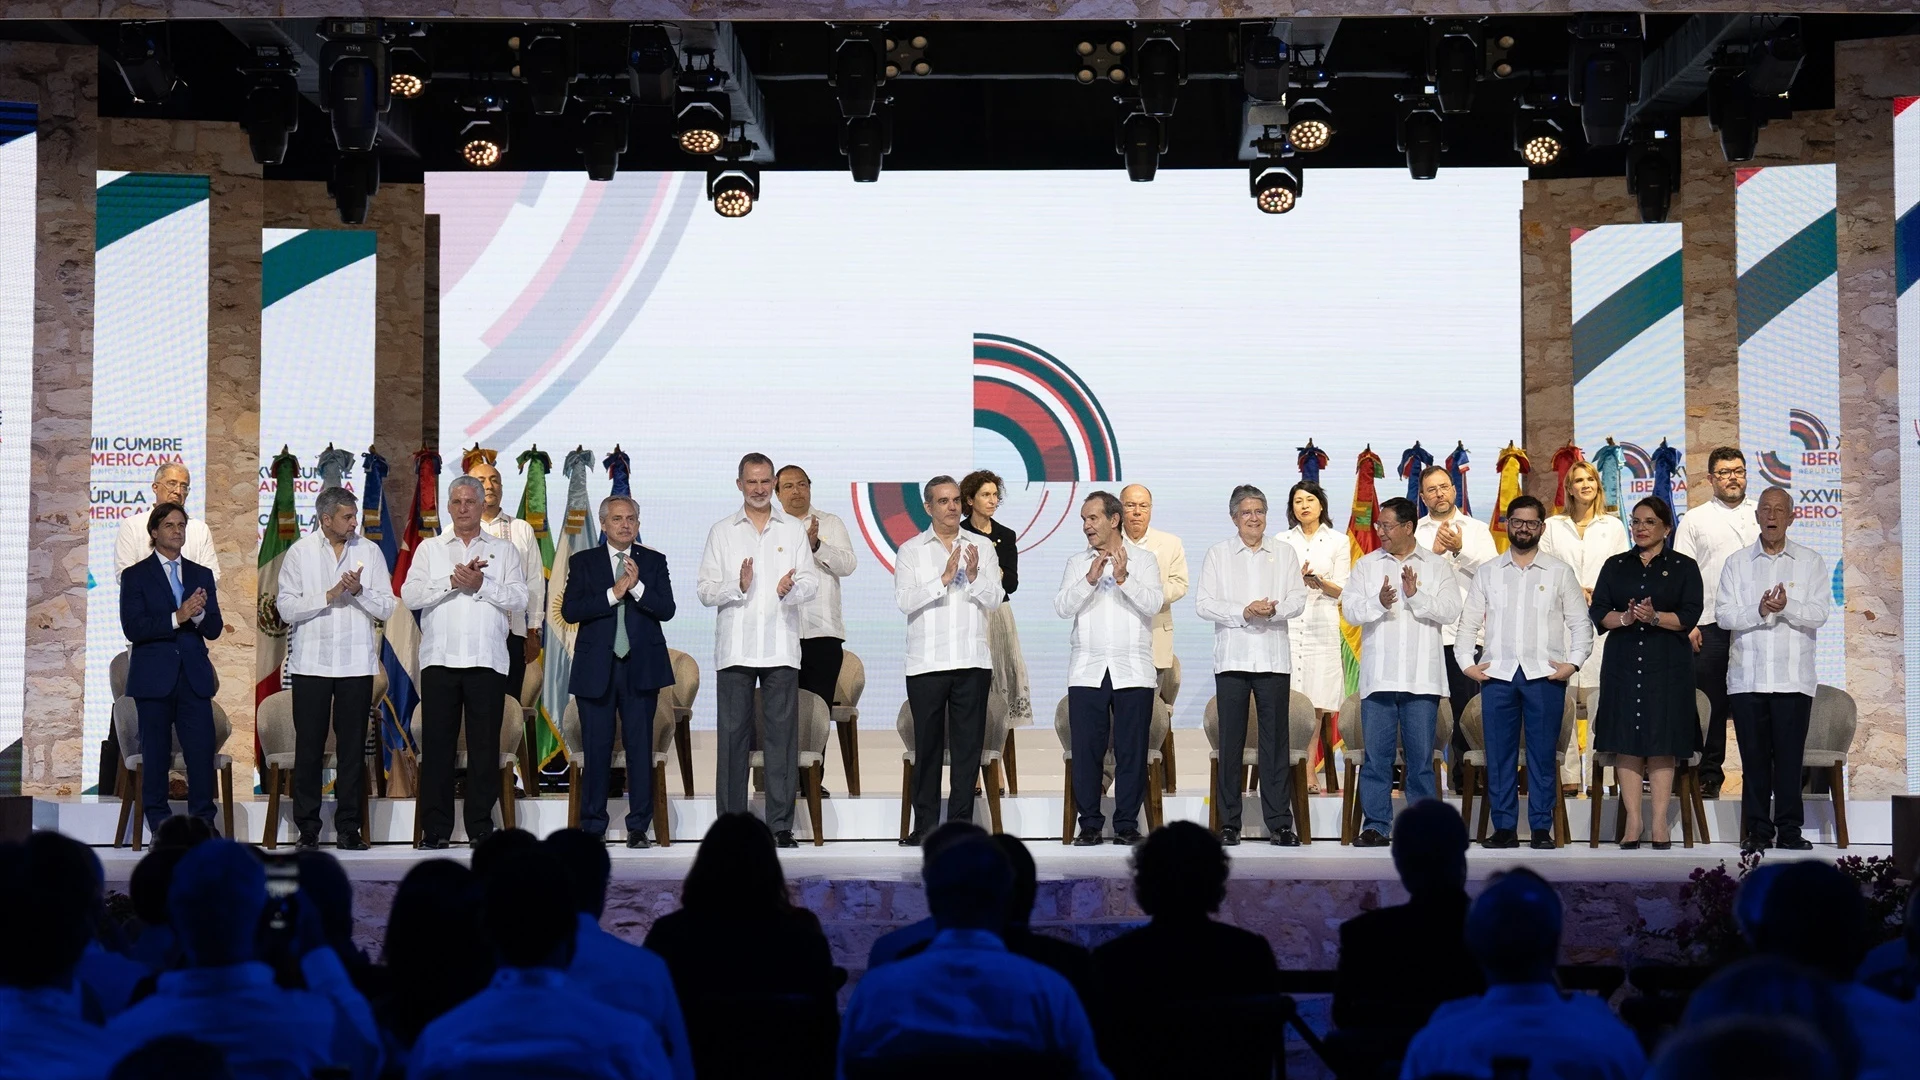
{"x": 1867, "y": 76}
{"x": 63, "y": 80}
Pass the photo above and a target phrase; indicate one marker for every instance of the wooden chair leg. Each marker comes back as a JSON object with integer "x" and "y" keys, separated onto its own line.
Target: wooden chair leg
{"x": 270, "y": 832}
{"x": 1302, "y": 811}
{"x": 1066, "y": 811}
{"x": 127, "y": 799}
{"x": 1012, "y": 763}
{"x": 139, "y": 812}
{"x": 366, "y": 798}
{"x": 1594, "y": 792}
{"x": 226, "y": 800}
{"x": 1331, "y": 783}
{"x": 1837, "y": 782}
{"x": 1562, "y": 829}
{"x": 683, "y": 743}
{"x": 1253, "y": 779}
{"x": 662, "y": 825}
{"x": 573, "y": 795}
{"x": 814, "y": 773}
{"x": 529, "y": 769}
{"x": 506, "y": 798}
{"x": 1700, "y": 809}
{"x": 906, "y": 799}
{"x": 1475, "y": 780}
{"x": 419, "y": 823}
{"x": 1347, "y": 802}
{"x": 1213, "y": 795}
{"x": 993, "y": 794}
{"x": 1168, "y": 779}
{"x": 1682, "y": 777}
{"x": 1466, "y": 795}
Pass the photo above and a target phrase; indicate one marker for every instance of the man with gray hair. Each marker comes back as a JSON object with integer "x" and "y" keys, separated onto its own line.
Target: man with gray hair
{"x": 172, "y": 483}
{"x": 465, "y": 585}
{"x": 617, "y": 595}
{"x": 335, "y": 587}
{"x": 1249, "y": 587}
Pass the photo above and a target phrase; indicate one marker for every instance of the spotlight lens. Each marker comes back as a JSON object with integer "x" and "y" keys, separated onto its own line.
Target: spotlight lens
{"x": 406, "y": 86}
{"x": 1541, "y": 150}
{"x": 700, "y": 141}
{"x": 1310, "y": 135}
{"x": 481, "y": 153}
{"x": 1274, "y": 200}
{"x": 733, "y": 203}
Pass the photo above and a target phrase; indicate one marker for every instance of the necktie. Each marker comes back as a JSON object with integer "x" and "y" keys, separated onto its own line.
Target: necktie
{"x": 173, "y": 581}
{"x": 620, "y": 645}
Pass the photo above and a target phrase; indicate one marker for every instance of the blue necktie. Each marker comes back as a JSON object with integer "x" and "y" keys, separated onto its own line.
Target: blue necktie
{"x": 173, "y": 581}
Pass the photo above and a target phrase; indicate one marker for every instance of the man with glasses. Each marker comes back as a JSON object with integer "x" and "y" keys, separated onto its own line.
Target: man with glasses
{"x": 171, "y": 484}
{"x": 1708, "y": 534}
{"x": 1465, "y": 543}
{"x": 1537, "y": 636}
{"x": 1401, "y": 596}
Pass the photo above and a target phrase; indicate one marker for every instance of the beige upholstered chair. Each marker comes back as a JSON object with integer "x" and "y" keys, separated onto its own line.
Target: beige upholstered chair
{"x": 1473, "y": 780}
{"x": 127, "y": 781}
{"x": 529, "y": 705}
{"x": 845, "y": 708}
{"x": 663, "y": 733}
{"x": 1301, "y": 725}
{"x": 117, "y": 674}
{"x": 513, "y": 732}
{"x": 1829, "y": 740}
{"x": 1169, "y": 691}
{"x": 1686, "y": 783}
{"x": 686, "y": 687}
{"x": 1157, "y": 728}
{"x": 990, "y": 758}
{"x": 1353, "y": 732}
{"x": 274, "y": 725}
{"x": 816, "y": 730}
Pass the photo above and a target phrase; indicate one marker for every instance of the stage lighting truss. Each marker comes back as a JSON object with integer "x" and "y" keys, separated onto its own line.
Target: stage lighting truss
{"x": 143, "y": 53}
{"x": 1309, "y": 125}
{"x": 1420, "y": 135}
{"x": 355, "y": 90}
{"x": 701, "y": 111}
{"x": 1603, "y": 73}
{"x": 1653, "y": 169}
{"x": 1275, "y": 185}
{"x": 865, "y": 141}
{"x": 733, "y": 185}
{"x": 1142, "y": 139}
{"x": 1159, "y": 68}
{"x": 858, "y": 71}
{"x": 355, "y": 179}
{"x": 604, "y": 127}
{"x": 270, "y": 113}
{"x": 548, "y": 62}
{"x": 483, "y": 138}
{"x": 1454, "y": 62}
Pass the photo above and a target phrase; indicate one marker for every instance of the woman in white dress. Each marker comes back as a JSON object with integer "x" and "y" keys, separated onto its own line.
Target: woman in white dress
{"x": 1583, "y": 535}
{"x": 1326, "y": 558}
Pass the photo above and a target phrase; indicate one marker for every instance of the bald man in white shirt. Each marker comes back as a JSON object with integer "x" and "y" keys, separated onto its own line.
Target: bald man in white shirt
{"x": 1136, "y": 520}
{"x": 1707, "y": 534}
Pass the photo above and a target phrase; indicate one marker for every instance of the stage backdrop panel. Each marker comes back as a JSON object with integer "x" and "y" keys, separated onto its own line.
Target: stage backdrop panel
{"x": 1071, "y": 331}
{"x": 1906, "y": 261}
{"x": 1788, "y": 307}
{"x": 1629, "y": 350}
{"x": 149, "y": 381}
{"x": 18, "y": 179}
{"x": 317, "y": 296}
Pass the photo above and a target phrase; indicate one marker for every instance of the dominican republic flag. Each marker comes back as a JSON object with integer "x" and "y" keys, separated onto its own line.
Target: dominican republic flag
{"x": 399, "y": 641}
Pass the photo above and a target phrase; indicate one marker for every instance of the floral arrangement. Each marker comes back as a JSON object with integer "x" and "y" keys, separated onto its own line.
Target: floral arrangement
{"x": 1709, "y": 935}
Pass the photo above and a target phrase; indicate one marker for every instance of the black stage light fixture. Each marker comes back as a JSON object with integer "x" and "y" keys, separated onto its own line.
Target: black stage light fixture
{"x": 1159, "y": 71}
{"x": 355, "y": 179}
{"x": 701, "y": 112}
{"x": 865, "y": 142}
{"x": 1732, "y": 111}
{"x": 354, "y": 88}
{"x": 1265, "y": 67}
{"x": 603, "y": 138}
{"x": 1653, "y": 170}
{"x": 143, "y": 53}
{"x": 1773, "y": 62}
{"x": 857, "y": 73}
{"x": 1453, "y": 62}
{"x": 1309, "y": 125}
{"x": 733, "y": 189}
{"x": 549, "y": 65}
{"x": 653, "y": 65}
{"x": 1537, "y": 137}
{"x": 1142, "y": 140}
{"x": 483, "y": 138}
{"x": 270, "y": 113}
{"x": 1603, "y": 74}
{"x": 1421, "y": 137}
{"x": 1275, "y": 185}
{"x": 408, "y": 71}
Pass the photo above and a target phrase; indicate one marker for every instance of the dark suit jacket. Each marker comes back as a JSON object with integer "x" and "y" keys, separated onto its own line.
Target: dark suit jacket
{"x": 1398, "y": 964}
{"x": 160, "y": 653}
{"x": 589, "y": 576}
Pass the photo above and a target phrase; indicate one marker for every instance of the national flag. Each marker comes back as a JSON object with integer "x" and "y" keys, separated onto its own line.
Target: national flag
{"x": 283, "y": 528}
{"x": 1512, "y": 465}
{"x": 1564, "y": 459}
{"x": 548, "y": 742}
{"x": 1361, "y": 539}
{"x": 399, "y": 641}
{"x": 577, "y": 533}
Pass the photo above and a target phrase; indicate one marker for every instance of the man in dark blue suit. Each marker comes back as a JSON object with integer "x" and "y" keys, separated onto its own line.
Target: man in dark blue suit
{"x": 169, "y": 612}
{"x": 617, "y": 595}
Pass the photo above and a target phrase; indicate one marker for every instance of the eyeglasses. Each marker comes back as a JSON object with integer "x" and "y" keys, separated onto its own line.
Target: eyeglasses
{"x": 1386, "y": 526}
{"x": 1522, "y": 525}
{"x": 1250, "y": 513}
{"x": 1729, "y": 474}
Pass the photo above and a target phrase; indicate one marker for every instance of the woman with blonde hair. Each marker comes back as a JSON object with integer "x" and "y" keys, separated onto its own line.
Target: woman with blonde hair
{"x": 1584, "y": 536}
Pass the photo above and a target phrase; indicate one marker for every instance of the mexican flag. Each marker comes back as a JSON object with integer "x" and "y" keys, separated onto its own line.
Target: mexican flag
{"x": 533, "y": 510}
{"x": 283, "y": 528}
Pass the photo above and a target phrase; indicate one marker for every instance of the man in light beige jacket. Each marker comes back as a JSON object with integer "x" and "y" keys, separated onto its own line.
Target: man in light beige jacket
{"x": 1136, "y": 518}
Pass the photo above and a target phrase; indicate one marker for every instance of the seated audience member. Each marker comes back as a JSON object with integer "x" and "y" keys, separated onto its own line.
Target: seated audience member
{"x": 894, "y": 944}
{"x": 742, "y": 953}
{"x": 607, "y": 969}
{"x": 1183, "y": 955}
{"x": 499, "y": 847}
{"x": 155, "y": 947}
{"x": 1815, "y": 916}
{"x": 173, "y": 1057}
{"x": 183, "y": 831}
{"x": 324, "y": 884}
{"x": 532, "y": 1020}
{"x": 1771, "y": 990}
{"x": 1893, "y": 967}
{"x": 434, "y": 959}
{"x": 965, "y": 993}
{"x": 1070, "y": 961}
{"x": 1375, "y": 988}
{"x": 107, "y": 976}
{"x": 1513, "y": 930}
{"x": 43, "y": 901}
{"x": 1746, "y": 1048}
{"x": 226, "y": 997}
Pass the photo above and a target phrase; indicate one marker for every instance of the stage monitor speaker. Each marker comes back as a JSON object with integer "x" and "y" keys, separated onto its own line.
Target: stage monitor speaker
{"x": 1906, "y": 835}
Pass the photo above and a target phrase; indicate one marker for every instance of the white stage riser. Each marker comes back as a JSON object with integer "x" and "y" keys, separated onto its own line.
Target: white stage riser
{"x": 1031, "y": 817}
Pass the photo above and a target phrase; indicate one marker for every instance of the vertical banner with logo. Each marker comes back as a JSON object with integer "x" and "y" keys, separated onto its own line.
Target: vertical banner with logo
{"x": 1629, "y": 350}
{"x": 1788, "y": 313}
{"x": 1906, "y": 266}
{"x": 149, "y": 381}
{"x": 18, "y": 193}
{"x": 316, "y": 355}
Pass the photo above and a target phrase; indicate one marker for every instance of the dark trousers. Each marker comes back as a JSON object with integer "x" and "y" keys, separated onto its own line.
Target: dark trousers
{"x": 820, "y": 659}
{"x": 185, "y": 719}
{"x": 342, "y": 705}
{"x": 1772, "y": 729}
{"x": 1460, "y": 691}
{"x": 949, "y": 714}
{"x": 516, "y": 664}
{"x": 1710, "y": 674}
{"x": 633, "y": 711}
{"x": 447, "y": 697}
{"x": 779, "y": 740}
{"x": 1097, "y": 715}
{"x": 1534, "y": 706}
{"x": 1269, "y": 692}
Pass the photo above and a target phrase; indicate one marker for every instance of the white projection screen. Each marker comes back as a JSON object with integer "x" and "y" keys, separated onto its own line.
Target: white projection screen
{"x": 1071, "y": 331}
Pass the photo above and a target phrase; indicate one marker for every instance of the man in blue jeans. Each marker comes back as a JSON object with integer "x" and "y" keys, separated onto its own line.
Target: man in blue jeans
{"x": 1400, "y": 596}
{"x": 1537, "y": 636}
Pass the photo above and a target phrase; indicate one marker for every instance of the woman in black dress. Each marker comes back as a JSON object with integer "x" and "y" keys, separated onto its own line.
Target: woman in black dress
{"x": 980, "y": 494}
{"x": 1651, "y": 595}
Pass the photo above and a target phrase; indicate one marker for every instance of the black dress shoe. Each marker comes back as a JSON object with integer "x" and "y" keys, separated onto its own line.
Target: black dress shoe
{"x": 1087, "y": 838}
{"x": 1229, "y": 837}
{"x": 638, "y": 840}
{"x": 1284, "y": 838}
{"x": 784, "y": 838}
{"x": 1661, "y": 845}
{"x": 1130, "y": 838}
{"x": 1541, "y": 842}
{"x": 912, "y": 839}
{"x": 474, "y": 841}
{"x": 1710, "y": 791}
{"x": 309, "y": 841}
{"x": 1502, "y": 838}
{"x": 1370, "y": 838}
{"x": 1629, "y": 845}
{"x": 1794, "y": 843}
{"x": 1752, "y": 844}
{"x": 351, "y": 840}
{"x": 434, "y": 843}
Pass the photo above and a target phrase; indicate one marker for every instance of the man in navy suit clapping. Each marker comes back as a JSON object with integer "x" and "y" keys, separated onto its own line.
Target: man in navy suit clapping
{"x": 618, "y": 594}
{"x": 169, "y": 612}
